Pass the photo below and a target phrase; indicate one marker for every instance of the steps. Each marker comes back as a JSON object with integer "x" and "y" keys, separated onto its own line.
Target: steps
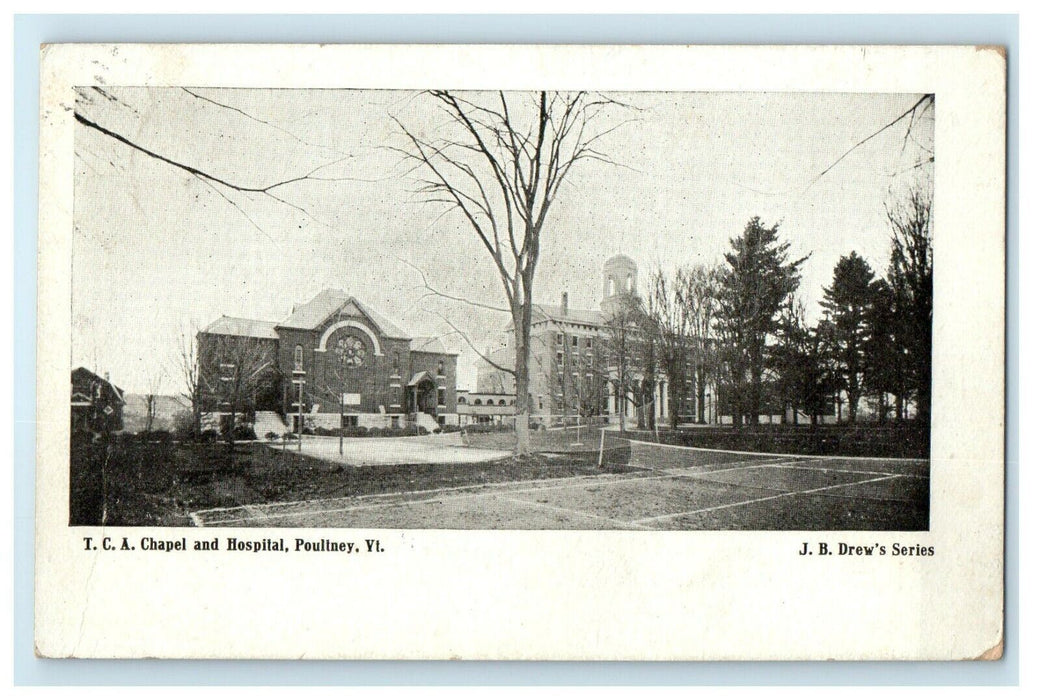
{"x": 268, "y": 422}
{"x": 427, "y": 421}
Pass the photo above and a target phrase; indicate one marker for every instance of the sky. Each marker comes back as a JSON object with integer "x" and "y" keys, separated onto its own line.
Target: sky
{"x": 159, "y": 252}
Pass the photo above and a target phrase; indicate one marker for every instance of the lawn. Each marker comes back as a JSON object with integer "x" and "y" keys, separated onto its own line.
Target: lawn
{"x": 155, "y": 484}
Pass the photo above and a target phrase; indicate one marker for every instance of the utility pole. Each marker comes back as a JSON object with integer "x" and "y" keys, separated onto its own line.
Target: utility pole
{"x": 299, "y": 411}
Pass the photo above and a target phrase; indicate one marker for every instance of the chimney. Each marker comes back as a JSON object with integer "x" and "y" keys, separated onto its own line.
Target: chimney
{"x": 106, "y": 377}
{"x": 563, "y": 304}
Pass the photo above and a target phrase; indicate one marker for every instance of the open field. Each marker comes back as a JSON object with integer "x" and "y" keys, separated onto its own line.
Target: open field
{"x": 469, "y": 482}
{"x": 149, "y": 484}
{"x": 656, "y": 488}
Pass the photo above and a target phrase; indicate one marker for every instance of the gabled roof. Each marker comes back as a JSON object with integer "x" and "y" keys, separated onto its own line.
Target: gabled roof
{"x": 429, "y": 344}
{"x": 245, "y": 327}
{"x": 418, "y": 377}
{"x": 83, "y": 374}
{"x": 327, "y": 302}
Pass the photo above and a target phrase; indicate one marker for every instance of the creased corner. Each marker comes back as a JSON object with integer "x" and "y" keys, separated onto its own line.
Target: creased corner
{"x": 994, "y": 653}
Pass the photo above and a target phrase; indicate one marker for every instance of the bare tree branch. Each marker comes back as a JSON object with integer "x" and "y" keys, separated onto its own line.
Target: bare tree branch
{"x": 265, "y": 190}
{"x": 923, "y": 102}
{"x": 473, "y": 347}
{"x": 247, "y": 115}
{"x": 445, "y": 295}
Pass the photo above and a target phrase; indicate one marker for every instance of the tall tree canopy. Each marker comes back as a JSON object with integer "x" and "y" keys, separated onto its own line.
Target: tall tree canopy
{"x": 848, "y": 305}
{"x": 499, "y": 161}
{"x": 756, "y": 281}
{"x": 910, "y": 275}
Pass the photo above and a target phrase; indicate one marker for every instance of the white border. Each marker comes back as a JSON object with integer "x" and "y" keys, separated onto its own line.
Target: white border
{"x": 556, "y": 595}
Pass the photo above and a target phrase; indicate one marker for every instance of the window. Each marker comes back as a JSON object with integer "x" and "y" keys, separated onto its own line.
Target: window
{"x": 440, "y": 368}
{"x": 298, "y": 358}
{"x": 611, "y": 291}
{"x": 349, "y": 422}
{"x": 397, "y": 361}
{"x": 559, "y": 338}
{"x": 628, "y": 283}
{"x": 478, "y": 402}
{"x": 462, "y": 400}
{"x": 395, "y": 422}
{"x": 559, "y": 357}
{"x": 588, "y": 343}
{"x": 441, "y": 396}
{"x": 541, "y": 404}
{"x": 574, "y": 341}
{"x": 501, "y": 402}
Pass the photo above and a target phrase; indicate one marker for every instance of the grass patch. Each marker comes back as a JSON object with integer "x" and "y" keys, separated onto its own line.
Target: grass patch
{"x": 154, "y": 484}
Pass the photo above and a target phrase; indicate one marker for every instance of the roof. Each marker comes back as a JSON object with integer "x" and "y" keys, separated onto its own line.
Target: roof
{"x": 84, "y": 373}
{"x": 555, "y": 312}
{"x": 428, "y": 344}
{"x": 245, "y": 327}
{"x": 418, "y": 377}
{"x": 327, "y": 302}
{"x": 620, "y": 257}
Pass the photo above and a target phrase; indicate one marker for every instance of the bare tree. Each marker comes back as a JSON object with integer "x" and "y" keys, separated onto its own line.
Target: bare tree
{"x": 191, "y": 378}
{"x": 910, "y": 276}
{"x": 150, "y": 399}
{"x": 624, "y": 326}
{"x": 232, "y": 369}
{"x": 500, "y": 163}
{"x": 701, "y": 290}
{"x": 666, "y": 304}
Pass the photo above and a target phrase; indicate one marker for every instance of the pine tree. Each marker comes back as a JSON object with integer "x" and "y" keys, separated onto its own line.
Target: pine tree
{"x": 848, "y": 305}
{"x": 757, "y": 281}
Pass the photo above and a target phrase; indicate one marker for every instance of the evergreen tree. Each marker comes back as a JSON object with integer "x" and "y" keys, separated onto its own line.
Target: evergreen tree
{"x": 756, "y": 282}
{"x": 848, "y": 305}
{"x": 886, "y": 364}
{"x": 798, "y": 364}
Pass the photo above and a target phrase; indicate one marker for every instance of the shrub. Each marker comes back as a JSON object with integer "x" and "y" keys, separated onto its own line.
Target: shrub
{"x": 243, "y": 432}
{"x": 307, "y": 430}
{"x": 271, "y": 435}
{"x": 451, "y": 429}
{"x": 324, "y": 432}
{"x": 489, "y": 428}
{"x": 209, "y": 435}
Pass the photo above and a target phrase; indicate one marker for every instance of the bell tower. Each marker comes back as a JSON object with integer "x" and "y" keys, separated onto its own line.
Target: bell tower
{"x": 620, "y": 278}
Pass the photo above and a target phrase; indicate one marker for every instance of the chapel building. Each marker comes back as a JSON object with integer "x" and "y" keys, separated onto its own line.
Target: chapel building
{"x": 335, "y": 361}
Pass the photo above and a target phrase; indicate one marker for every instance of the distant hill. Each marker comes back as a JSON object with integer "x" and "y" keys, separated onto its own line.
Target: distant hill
{"x": 135, "y": 413}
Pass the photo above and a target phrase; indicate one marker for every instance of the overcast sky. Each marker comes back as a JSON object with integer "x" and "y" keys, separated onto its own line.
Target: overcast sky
{"x": 158, "y": 251}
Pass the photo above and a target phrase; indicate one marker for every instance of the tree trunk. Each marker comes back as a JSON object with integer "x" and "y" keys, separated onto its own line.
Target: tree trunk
{"x": 699, "y": 378}
{"x": 853, "y": 405}
{"x": 522, "y": 334}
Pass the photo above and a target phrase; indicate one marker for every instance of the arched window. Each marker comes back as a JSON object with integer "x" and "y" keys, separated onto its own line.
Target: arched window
{"x": 477, "y": 402}
{"x": 611, "y": 291}
{"x": 628, "y": 283}
{"x": 297, "y": 358}
{"x": 462, "y": 399}
{"x": 501, "y": 402}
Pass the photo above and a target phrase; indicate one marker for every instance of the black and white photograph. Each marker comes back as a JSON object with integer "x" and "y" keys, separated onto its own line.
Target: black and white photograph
{"x": 456, "y": 309}
{"x": 520, "y": 352}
